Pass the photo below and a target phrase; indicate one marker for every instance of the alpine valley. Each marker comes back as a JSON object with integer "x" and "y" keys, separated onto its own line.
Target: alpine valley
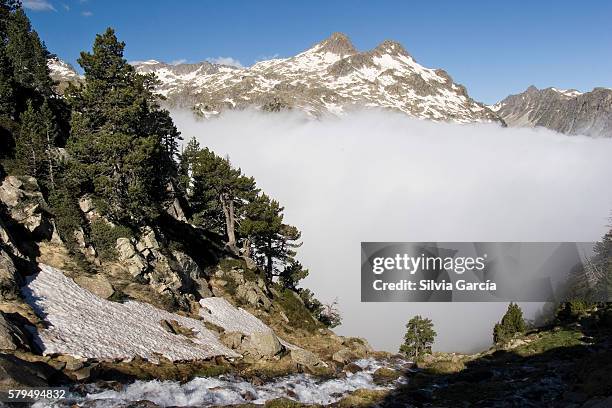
{"x": 140, "y": 271}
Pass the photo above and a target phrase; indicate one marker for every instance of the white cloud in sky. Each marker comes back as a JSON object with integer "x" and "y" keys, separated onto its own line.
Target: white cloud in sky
{"x": 225, "y": 61}
{"x": 178, "y": 61}
{"x": 38, "y": 5}
{"x": 373, "y": 176}
{"x": 86, "y": 13}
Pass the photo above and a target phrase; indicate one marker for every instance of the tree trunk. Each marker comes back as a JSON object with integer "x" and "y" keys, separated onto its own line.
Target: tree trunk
{"x": 230, "y": 221}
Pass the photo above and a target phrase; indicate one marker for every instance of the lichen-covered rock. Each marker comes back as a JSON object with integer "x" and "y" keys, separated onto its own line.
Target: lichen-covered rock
{"x": 232, "y": 340}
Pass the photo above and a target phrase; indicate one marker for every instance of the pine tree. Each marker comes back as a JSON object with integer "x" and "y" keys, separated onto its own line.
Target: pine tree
{"x": 217, "y": 191}
{"x": 28, "y": 56}
{"x": 512, "y": 323}
{"x": 292, "y": 274}
{"x": 35, "y": 150}
{"x": 119, "y": 136}
{"x": 273, "y": 242}
{"x": 419, "y": 337}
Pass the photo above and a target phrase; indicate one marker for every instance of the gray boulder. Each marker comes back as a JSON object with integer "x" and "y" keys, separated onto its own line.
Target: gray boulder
{"x": 97, "y": 284}
{"x": 305, "y": 358}
{"x": 262, "y": 345}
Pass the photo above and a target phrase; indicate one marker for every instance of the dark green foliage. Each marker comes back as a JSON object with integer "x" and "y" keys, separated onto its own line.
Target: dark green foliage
{"x": 328, "y": 315}
{"x": 35, "y": 150}
{"x": 217, "y": 192}
{"x": 512, "y": 323}
{"x": 298, "y": 313}
{"x": 292, "y": 274}
{"x": 419, "y": 337}
{"x": 104, "y": 238}
{"x": 272, "y": 241}
{"x": 25, "y": 85}
{"x": 119, "y": 136}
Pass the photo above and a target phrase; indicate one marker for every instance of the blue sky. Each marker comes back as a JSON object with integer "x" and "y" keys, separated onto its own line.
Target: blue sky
{"x": 494, "y": 48}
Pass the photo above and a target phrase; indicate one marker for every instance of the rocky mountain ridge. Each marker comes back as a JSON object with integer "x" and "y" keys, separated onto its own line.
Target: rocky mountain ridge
{"x": 332, "y": 77}
{"x": 565, "y": 111}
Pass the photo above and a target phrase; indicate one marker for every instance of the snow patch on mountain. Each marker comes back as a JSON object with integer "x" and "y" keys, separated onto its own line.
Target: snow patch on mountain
{"x": 86, "y": 326}
{"x": 332, "y": 77}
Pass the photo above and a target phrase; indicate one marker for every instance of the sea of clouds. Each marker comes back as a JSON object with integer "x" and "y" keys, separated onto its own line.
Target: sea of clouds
{"x": 379, "y": 176}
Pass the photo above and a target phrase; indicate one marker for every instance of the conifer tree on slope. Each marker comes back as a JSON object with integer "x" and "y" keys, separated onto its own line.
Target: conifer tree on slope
{"x": 35, "y": 146}
{"x": 217, "y": 191}
{"x": 119, "y": 135}
{"x": 272, "y": 240}
{"x": 419, "y": 337}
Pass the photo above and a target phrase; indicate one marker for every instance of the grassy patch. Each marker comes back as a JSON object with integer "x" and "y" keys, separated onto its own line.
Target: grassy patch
{"x": 362, "y": 399}
{"x": 445, "y": 367}
{"x": 296, "y": 312}
{"x": 550, "y": 340}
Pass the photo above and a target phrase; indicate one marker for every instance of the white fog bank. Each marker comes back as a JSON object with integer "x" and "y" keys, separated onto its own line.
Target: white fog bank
{"x": 374, "y": 176}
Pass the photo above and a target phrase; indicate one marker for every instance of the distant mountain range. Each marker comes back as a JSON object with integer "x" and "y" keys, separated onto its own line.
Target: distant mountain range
{"x": 565, "y": 111}
{"x": 333, "y": 77}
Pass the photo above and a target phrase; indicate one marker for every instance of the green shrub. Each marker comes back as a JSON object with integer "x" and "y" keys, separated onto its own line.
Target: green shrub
{"x": 104, "y": 238}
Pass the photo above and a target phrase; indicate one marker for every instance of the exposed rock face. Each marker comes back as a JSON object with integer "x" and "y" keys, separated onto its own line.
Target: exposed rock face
{"x": 11, "y": 337}
{"x": 16, "y": 373}
{"x": 131, "y": 259}
{"x": 564, "y": 111}
{"x": 9, "y": 279}
{"x": 252, "y": 292}
{"x": 332, "y": 77}
{"x": 26, "y": 205}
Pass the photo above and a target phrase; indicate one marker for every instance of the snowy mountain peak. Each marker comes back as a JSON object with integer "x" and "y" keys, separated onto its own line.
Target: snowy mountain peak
{"x": 332, "y": 77}
{"x": 390, "y": 47}
{"x": 62, "y": 71}
{"x": 337, "y": 43}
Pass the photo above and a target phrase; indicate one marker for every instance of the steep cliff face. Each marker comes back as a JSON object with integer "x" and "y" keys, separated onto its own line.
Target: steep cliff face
{"x": 566, "y": 111}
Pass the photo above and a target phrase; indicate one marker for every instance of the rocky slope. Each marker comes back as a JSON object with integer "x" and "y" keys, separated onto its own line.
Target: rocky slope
{"x": 157, "y": 310}
{"x": 332, "y": 77}
{"x": 565, "y": 111}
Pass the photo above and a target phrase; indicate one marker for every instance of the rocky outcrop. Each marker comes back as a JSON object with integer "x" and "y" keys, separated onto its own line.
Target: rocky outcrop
{"x": 27, "y": 207}
{"x": 11, "y": 336}
{"x": 252, "y": 291}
